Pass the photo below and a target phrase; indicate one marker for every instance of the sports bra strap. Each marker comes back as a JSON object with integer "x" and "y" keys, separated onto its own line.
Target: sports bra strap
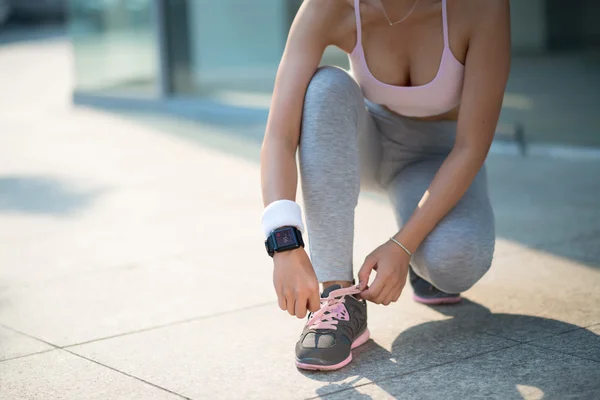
{"x": 445, "y": 19}
{"x": 358, "y": 23}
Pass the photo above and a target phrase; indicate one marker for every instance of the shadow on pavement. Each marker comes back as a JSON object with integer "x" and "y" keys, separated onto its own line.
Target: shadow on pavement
{"x": 446, "y": 359}
{"x": 41, "y": 195}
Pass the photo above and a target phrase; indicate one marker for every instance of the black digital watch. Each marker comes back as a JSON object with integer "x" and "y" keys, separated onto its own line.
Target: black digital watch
{"x": 284, "y": 239}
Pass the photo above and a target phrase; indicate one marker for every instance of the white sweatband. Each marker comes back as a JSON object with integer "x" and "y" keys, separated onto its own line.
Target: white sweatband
{"x": 281, "y": 213}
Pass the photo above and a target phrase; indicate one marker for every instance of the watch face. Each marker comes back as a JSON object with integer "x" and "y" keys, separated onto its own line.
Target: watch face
{"x": 285, "y": 238}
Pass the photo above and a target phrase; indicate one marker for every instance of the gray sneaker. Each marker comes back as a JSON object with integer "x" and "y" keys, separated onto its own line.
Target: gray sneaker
{"x": 332, "y": 332}
{"x": 425, "y": 293}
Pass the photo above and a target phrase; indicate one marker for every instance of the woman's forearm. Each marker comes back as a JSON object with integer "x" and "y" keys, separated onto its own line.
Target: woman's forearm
{"x": 449, "y": 185}
{"x": 279, "y": 175}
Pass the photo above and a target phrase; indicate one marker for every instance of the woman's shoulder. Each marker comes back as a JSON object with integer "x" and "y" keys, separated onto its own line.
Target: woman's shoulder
{"x": 476, "y": 14}
{"x": 335, "y": 18}
{"x": 329, "y": 8}
{"x": 469, "y": 19}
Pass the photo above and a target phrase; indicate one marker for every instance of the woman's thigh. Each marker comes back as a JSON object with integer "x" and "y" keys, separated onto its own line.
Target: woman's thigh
{"x": 459, "y": 251}
{"x": 338, "y": 135}
{"x": 371, "y": 153}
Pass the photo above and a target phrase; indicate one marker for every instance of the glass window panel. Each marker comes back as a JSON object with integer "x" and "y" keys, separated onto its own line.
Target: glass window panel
{"x": 115, "y": 47}
{"x": 229, "y": 50}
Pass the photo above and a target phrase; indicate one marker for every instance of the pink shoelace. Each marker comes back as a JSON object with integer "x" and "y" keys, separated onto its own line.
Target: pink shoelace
{"x": 332, "y": 309}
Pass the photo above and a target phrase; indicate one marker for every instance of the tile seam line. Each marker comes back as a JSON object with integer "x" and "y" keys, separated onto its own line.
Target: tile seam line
{"x": 174, "y": 323}
{"x": 166, "y": 325}
{"x": 502, "y": 337}
{"x": 533, "y": 340}
{"x": 127, "y": 374}
{"x": 418, "y": 370}
{"x": 55, "y": 347}
{"x": 558, "y": 334}
{"x": 563, "y": 353}
{"x": 95, "y": 362}
{"x": 539, "y": 346}
{"x": 29, "y": 354}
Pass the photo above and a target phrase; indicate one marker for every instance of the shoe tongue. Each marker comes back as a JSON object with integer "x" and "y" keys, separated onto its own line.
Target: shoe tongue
{"x": 330, "y": 289}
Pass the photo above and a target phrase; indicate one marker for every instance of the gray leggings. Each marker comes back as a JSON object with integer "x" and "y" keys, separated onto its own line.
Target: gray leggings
{"x": 345, "y": 146}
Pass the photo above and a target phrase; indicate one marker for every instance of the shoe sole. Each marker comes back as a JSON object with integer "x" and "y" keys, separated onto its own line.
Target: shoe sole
{"x": 442, "y": 300}
{"x": 362, "y": 339}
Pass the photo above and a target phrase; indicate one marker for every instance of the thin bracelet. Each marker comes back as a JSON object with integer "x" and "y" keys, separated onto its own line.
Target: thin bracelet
{"x": 401, "y": 245}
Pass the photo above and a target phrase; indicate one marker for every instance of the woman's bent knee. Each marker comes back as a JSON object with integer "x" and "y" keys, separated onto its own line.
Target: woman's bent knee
{"x": 333, "y": 107}
{"x": 332, "y": 86}
{"x": 456, "y": 267}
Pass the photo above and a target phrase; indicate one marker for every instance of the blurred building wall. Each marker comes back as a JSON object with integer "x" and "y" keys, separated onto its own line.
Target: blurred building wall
{"x": 227, "y": 52}
{"x": 228, "y": 34}
{"x": 529, "y": 26}
{"x": 573, "y": 24}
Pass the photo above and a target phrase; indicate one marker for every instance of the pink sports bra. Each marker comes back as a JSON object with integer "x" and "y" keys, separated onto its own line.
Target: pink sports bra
{"x": 437, "y": 97}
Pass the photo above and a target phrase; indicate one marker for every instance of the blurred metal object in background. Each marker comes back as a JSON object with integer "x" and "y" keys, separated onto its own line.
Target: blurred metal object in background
{"x": 5, "y": 8}
{"x": 33, "y": 10}
{"x": 39, "y": 9}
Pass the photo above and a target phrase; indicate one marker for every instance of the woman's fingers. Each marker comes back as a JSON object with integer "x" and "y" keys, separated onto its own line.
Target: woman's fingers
{"x": 398, "y": 291}
{"x": 301, "y": 307}
{"x": 393, "y": 295}
{"x": 384, "y": 297}
{"x": 291, "y": 305}
{"x": 282, "y": 303}
{"x": 387, "y": 297}
{"x": 374, "y": 292}
{"x": 314, "y": 302}
{"x": 365, "y": 271}
{"x": 384, "y": 290}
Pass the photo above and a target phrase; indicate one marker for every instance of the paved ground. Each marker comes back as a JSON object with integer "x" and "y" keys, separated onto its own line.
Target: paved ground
{"x": 131, "y": 267}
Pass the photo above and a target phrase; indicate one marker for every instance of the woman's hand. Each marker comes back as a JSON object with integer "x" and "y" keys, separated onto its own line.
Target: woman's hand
{"x": 391, "y": 263}
{"x": 296, "y": 283}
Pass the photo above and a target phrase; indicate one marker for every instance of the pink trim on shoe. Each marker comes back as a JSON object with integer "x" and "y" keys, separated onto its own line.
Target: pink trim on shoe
{"x": 443, "y": 300}
{"x": 362, "y": 339}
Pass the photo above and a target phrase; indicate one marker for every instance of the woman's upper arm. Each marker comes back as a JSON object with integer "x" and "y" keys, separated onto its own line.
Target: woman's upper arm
{"x": 486, "y": 72}
{"x": 311, "y": 32}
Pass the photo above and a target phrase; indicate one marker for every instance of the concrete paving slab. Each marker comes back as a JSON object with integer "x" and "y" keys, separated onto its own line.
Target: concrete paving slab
{"x": 112, "y": 302}
{"x": 13, "y": 344}
{"x": 109, "y": 227}
{"x": 60, "y": 375}
{"x": 81, "y": 213}
{"x": 522, "y": 372}
{"x": 558, "y": 293}
{"x": 543, "y": 201}
{"x": 199, "y": 359}
{"x": 121, "y": 236}
{"x": 584, "y": 343}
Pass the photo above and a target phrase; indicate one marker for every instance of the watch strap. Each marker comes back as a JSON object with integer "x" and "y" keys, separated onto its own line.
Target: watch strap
{"x": 270, "y": 245}
{"x": 299, "y": 237}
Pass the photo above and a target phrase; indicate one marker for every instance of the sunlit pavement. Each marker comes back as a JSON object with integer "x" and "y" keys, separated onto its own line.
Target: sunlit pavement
{"x": 131, "y": 267}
